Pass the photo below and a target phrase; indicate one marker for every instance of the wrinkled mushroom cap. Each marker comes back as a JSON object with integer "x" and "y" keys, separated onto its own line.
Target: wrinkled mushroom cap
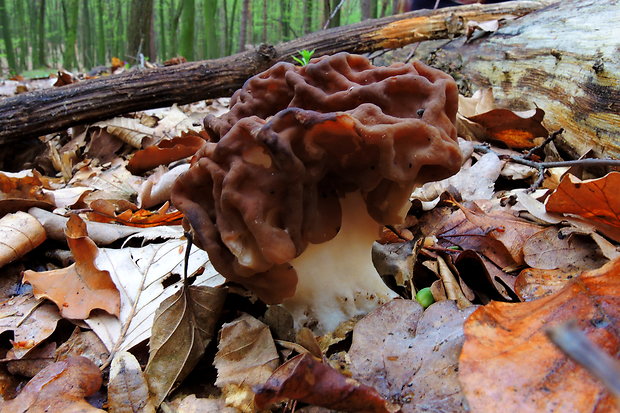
{"x": 298, "y": 138}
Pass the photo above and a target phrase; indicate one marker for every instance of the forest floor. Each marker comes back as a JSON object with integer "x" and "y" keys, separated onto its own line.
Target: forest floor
{"x": 516, "y": 255}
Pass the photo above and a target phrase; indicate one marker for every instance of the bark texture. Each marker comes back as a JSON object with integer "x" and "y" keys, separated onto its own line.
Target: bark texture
{"x": 563, "y": 59}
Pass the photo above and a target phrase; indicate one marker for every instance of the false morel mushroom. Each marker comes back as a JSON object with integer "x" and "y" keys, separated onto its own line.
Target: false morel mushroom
{"x": 302, "y": 172}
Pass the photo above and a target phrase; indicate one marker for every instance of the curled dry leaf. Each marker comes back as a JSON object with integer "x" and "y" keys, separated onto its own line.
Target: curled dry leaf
{"x": 166, "y": 151}
{"x": 411, "y": 356}
{"x": 81, "y": 287}
{"x": 509, "y": 364}
{"x": 192, "y": 404}
{"x": 596, "y": 200}
{"x": 102, "y": 233}
{"x": 156, "y": 189}
{"x": 85, "y": 344}
{"x": 23, "y": 190}
{"x": 246, "y": 357}
{"x": 127, "y": 388}
{"x": 183, "y": 327}
{"x": 60, "y": 387}
{"x": 307, "y": 379}
{"x": 141, "y": 218}
{"x": 129, "y": 130}
{"x": 19, "y": 233}
{"x": 30, "y": 320}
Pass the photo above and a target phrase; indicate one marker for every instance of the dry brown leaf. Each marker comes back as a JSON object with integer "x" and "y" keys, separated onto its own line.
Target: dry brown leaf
{"x": 81, "y": 287}
{"x": 183, "y": 327}
{"x": 19, "y": 233}
{"x": 515, "y": 130}
{"x": 156, "y": 189}
{"x": 129, "y": 130}
{"x": 103, "y": 145}
{"x": 127, "y": 388}
{"x": 60, "y": 387}
{"x": 308, "y": 380}
{"x": 85, "y": 344}
{"x": 533, "y": 283}
{"x": 509, "y": 364}
{"x": 32, "y": 363}
{"x": 192, "y": 404}
{"x": 30, "y": 320}
{"x": 22, "y": 190}
{"x": 596, "y": 200}
{"x": 490, "y": 281}
{"x": 410, "y": 355}
{"x": 141, "y": 218}
{"x": 166, "y": 151}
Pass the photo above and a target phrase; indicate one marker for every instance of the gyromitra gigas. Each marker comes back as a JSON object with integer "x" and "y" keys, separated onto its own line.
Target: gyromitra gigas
{"x": 302, "y": 172}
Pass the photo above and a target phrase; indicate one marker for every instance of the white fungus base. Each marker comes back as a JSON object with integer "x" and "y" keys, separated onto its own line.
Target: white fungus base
{"x": 337, "y": 279}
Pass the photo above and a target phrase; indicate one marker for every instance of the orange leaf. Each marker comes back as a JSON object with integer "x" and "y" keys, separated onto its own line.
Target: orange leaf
{"x": 509, "y": 364}
{"x": 515, "y": 131}
{"x": 166, "y": 151}
{"x": 60, "y": 387}
{"x": 81, "y": 287}
{"x": 597, "y": 200}
{"x": 307, "y": 379}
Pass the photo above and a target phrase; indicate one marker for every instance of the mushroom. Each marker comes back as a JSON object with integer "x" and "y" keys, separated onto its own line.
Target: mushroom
{"x": 301, "y": 174}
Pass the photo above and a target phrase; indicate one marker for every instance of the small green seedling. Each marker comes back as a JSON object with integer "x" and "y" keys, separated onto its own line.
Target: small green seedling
{"x": 425, "y": 297}
{"x": 306, "y": 55}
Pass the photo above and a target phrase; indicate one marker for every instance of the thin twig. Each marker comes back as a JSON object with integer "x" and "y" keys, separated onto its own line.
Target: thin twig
{"x": 331, "y": 16}
{"x": 541, "y": 166}
{"x": 550, "y": 138}
{"x": 576, "y": 345}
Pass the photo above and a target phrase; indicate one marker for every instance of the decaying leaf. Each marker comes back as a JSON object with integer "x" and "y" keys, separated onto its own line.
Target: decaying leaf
{"x": 32, "y": 363}
{"x": 192, "y": 404}
{"x": 307, "y": 379}
{"x": 31, "y": 321}
{"x": 20, "y": 233}
{"x": 60, "y": 387}
{"x": 596, "y": 200}
{"x": 509, "y": 364}
{"x": 103, "y": 233}
{"x": 156, "y": 189}
{"x": 516, "y": 130}
{"x": 183, "y": 327}
{"x": 166, "y": 151}
{"x": 130, "y": 131}
{"x": 85, "y": 344}
{"x": 127, "y": 388}
{"x": 140, "y": 274}
{"x": 81, "y": 287}
{"x": 411, "y": 356}
{"x": 246, "y": 357}
{"x": 140, "y": 218}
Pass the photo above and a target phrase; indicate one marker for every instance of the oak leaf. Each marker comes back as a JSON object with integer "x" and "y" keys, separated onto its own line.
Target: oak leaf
{"x": 509, "y": 364}
{"x": 596, "y": 200}
{"x": 81, "y": 287}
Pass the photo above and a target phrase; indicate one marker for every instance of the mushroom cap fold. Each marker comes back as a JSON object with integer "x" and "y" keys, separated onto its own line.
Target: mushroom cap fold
{"x": 296, "y": 140}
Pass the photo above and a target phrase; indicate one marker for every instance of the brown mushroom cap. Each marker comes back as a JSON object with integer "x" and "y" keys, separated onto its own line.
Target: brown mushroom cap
{"x": 298, "y": 138}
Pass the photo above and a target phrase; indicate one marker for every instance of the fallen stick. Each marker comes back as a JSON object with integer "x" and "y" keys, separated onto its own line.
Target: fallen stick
{"x": 50, "y": 110}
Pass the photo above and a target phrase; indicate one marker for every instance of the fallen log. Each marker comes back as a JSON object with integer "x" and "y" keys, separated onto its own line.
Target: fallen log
{"x": 563, "y": 59}
{"x": 46, "y": 111}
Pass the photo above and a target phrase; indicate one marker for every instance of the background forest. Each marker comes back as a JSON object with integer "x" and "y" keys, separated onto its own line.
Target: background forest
{"x": 39, "y": 35}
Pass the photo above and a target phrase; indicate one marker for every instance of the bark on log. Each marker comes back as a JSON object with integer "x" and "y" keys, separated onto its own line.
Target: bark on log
{"x": 564, "y": 59}
{"x": 41, "y": 112}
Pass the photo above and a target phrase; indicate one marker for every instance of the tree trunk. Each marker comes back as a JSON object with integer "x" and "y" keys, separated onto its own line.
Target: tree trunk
{"x": 211, "y": 43}
{"x": 563, "y": 59}
{"x": 139, "y": 29}
{"x": 45, "y": 111}
{"x": 6, "y": 36}
{"x": 186, "y": 46}
{"x": 243, "y": 29}
{"x": 265, "y": 21}
{"x": 308, "y": 16}
{"x": 101, "y": 60}
{"x": 69, "y": 59}
{"x": 41, "y": 43}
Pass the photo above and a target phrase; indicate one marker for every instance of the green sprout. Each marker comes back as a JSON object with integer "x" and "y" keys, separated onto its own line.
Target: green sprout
{"x": 306, "y": 55}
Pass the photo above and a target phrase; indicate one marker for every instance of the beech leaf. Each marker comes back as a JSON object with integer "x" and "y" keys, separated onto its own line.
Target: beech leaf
{"x": 60, "y": 387}
{"x": 411, "y": 356}
{"x": 307, "y": 379}
{"x": 183, "y": 327}
{"x": 166, "y": 151}
{"x": 509, "y": 364}
{"x": 127, "y": 388}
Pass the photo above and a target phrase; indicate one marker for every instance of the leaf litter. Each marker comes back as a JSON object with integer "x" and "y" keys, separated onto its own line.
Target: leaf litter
{"x": 502, "y": 264}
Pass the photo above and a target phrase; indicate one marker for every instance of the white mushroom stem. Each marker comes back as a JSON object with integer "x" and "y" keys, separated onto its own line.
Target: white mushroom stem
{"x": 337, "y": 279}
